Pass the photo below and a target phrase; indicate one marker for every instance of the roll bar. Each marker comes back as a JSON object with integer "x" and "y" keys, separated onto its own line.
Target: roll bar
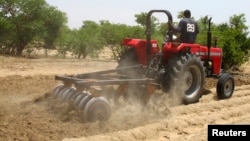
{"x": 148, "y": 29}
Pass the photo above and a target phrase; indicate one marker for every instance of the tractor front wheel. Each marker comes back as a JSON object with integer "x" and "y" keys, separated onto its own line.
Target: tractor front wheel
{"x": 225, "y": 86}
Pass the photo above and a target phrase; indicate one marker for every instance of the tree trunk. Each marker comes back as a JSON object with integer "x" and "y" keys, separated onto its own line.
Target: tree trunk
{"x": 84, "y": 55}
{"x": 19, "y": 50}
{"x": 79, "y": 55}
{"x": 45, "y": 52}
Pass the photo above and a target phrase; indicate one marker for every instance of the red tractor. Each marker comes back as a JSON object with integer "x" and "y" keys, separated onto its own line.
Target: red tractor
{"x": 180, "y": 68}
{"x": 176, "y": 68}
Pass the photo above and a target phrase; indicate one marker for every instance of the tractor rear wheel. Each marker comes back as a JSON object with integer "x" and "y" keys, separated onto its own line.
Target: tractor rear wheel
{"x": 186, "y": 77}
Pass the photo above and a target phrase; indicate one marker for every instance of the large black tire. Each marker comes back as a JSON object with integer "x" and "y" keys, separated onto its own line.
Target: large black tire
{"x": 186, "y": 76}
{"x": 225, "y": 86}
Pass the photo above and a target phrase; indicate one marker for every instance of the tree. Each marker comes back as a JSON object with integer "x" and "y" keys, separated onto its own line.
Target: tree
{"x": 25, "y": 20}
{"x": 5, "y": 35}
{"x": 113, "y": 34}
{"x": 234, "y": 41}
{"x": 180, "y": 15}
{"x": 91, "y": 41}
{"x": 65, "y": 40}
{"x": 53, "y": 20}
{"x": 203, "y": 28}
{"x": 141, "y": 19}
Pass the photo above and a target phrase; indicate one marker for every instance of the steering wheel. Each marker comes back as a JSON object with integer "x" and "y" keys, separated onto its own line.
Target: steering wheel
{"x": 170, "y": 37}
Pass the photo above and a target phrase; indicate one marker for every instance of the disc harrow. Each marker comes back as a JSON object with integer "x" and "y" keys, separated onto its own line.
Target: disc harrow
{"x": 84, "y": 91}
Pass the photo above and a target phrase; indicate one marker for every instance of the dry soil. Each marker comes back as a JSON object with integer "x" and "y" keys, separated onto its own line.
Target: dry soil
{"x": 28, "y": 112}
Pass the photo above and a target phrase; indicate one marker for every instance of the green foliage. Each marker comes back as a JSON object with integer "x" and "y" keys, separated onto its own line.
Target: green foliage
{"x": 53, "y": 20}
{"x": 113, "y": 34}
{"x": 25, "y": 20}
{"x": 81, "y": 42}
{"x": 234, "y": 41}
{"x": 65, "y": 40}
{"x": 90, "y": 41}
{"x": 141, "y": 18}
{"x": 232, "y": 38}
{"x": 5, "y": 35}
{"x": 203, "y": 28}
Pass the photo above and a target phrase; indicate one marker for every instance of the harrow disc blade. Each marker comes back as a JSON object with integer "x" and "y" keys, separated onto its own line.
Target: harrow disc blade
{"x": 98, "y": 108}
{"x": 67, "y": 93}
{"x": 57, "y": 89}
{"x": 73, "y": 97}
{"x": 61, "y": 92}
{"x": 79, "y": 98}
{"x": 84, "y": 101}
{"x": 70, "y": 93}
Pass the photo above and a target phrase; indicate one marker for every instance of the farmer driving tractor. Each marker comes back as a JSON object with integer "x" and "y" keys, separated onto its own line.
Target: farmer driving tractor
{"x": 187, "y": 27}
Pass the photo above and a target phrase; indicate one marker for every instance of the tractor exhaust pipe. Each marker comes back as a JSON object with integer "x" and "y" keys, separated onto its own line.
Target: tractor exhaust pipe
{"x": 209, "y": 42}
{"x": 209, "y": 37}
{"x": 148, "y": 30}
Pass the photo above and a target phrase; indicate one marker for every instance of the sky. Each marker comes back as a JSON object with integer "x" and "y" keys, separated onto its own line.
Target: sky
{"x": 123, "y": 11}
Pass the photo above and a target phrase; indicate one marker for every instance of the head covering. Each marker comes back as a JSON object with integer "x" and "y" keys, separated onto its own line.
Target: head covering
{"x": 187, "y": 13}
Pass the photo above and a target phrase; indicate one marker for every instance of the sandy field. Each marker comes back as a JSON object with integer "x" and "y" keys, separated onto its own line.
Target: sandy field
{"x": 28, "y": 112}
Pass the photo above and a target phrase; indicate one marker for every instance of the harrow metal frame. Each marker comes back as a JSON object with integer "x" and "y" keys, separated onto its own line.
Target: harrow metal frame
{"x": 100, "y": 78}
